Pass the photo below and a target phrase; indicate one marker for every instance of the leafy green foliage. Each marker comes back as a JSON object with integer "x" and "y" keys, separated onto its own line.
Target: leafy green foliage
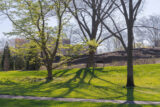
{"x": 33, "y": 59}
{"x": 31, "y": 21}
{"x": 19, "y": 63}
{"x": 93, "y": 44}
{"x": 7, "y": 60}
{"x": 26, "y": 56}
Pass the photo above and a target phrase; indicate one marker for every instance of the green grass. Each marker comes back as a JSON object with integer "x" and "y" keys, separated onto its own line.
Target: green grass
{"x": 104, "y": 83}
{"x": 37, "y": 103}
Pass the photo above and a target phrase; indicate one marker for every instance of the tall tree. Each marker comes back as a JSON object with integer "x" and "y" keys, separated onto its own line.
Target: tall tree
{"x": 6, "y": 58}
{"x": 31, "y": 19}
{"x": 129, "y": 10}
{"x": 87, "y": 14}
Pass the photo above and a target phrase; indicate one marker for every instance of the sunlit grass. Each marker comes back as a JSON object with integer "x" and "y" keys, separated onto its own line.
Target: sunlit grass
{"x": 37, "y": 103}
{"x": 105, "y": 83}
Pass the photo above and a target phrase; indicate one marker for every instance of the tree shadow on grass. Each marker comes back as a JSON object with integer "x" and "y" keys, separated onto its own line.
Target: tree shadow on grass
{"x": 129, "y": 100}
{"x": 82, "y": 79}
{"x": 61, "y": 73}
{"x": 74, "y": 82}
{"x": 8, "y": 82}
{"x": 130, "y": 96}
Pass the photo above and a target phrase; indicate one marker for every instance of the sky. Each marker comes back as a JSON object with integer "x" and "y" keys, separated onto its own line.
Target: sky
{"x": 151, "y": 7}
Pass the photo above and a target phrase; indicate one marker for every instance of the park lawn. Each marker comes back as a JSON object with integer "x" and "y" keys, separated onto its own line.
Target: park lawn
{"x": 104, "y": 83}
{"x": 38, "y": 103}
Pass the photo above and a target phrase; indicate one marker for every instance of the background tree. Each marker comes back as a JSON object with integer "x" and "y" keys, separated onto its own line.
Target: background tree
{"x": 87, "y": 14}
{"x": 33, "y": 60}
{"x": 117, "y": 44}
{"x": 150, "y": 34}
{"x": 7, "y": 62}
{"x": 31, "y": 20}
{"x": 26, "y": 55}
{"x": 129, "y": 10}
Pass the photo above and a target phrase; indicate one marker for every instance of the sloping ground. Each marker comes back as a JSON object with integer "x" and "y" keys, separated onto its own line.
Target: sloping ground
{"x": 104, "y": 83}
{"x": 141, "y": 56}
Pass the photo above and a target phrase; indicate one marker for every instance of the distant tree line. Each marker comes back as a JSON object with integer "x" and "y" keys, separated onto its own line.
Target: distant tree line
{"x": 14, "y": 60}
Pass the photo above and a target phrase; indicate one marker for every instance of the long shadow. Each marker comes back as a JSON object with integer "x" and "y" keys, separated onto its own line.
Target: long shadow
{"x": 130, "y": 96}
{"x": 129, "y": 100}
{"x": 74, "y": 82}
{"x": 61, "y": 73}
{"x": 78, "y": 81}
{"x": 82, "y": 78}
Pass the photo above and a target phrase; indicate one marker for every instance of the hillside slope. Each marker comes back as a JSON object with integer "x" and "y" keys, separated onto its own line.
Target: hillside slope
{"x": 141, "y": 56}
{"x": 104, "y": 83}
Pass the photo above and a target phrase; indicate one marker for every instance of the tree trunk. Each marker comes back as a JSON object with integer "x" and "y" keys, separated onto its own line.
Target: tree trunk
{"x": 130, "y": 79}
{"x": 49, "y": 70}
{"x": 91, "y": 59}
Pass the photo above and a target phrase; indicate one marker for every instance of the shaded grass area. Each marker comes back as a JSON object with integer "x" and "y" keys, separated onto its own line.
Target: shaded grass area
{"x": 37, "y": 103}
{"x": 102, "y": 83}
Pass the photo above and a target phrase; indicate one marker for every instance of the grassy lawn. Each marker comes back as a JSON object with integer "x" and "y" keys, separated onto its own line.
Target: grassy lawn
{"x": 37, "y": 103}
{"x": 104, "y": 83}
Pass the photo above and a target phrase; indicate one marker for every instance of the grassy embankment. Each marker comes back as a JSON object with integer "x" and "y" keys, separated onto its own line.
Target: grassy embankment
{"x": 104, "y": 83}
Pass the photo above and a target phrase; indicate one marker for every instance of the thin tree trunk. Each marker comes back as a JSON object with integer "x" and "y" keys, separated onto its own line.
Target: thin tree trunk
{"x": 91, "y": 59}
{"x": 49, "y": 70}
